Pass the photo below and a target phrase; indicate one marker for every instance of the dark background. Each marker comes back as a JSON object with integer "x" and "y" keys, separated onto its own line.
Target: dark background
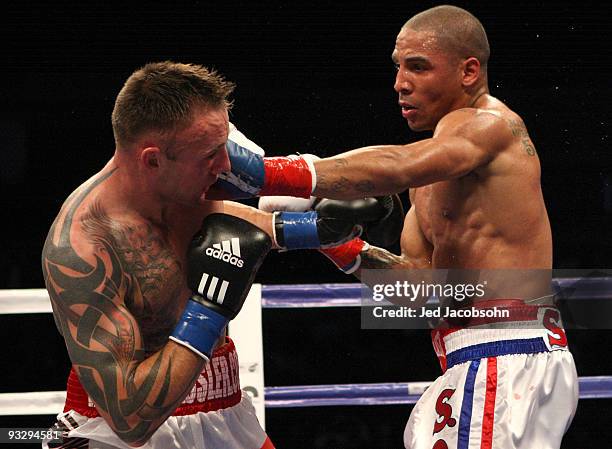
{"x": 311, "y": 77}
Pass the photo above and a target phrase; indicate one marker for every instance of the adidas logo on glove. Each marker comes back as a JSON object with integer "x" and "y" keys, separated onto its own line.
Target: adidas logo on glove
{"x": 227, "y": 251}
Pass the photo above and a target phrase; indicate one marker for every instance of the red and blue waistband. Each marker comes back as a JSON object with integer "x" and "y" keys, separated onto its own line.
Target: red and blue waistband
{"x": 528, "y": 330}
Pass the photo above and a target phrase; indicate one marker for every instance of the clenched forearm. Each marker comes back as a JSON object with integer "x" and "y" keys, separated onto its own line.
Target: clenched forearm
{"x": 137, "y": 400}
{"x": 133, "y": 392}
{"x": 359, "y": 173}
{"x": 388, "y": 169}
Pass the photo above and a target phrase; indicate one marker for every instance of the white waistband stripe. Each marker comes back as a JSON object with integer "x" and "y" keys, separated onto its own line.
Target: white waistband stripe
{"x": 470, "y": 337}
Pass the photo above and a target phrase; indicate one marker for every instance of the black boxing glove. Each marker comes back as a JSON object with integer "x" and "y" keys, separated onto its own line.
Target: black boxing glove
{"x": 222, "y": 262}
{"x": 332, "y": 222}
{"x": 386, "y": 231}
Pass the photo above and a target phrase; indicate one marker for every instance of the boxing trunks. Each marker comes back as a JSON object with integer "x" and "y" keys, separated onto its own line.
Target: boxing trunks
{"x": 510, "y": 387}
{"x": 216, "y": 414}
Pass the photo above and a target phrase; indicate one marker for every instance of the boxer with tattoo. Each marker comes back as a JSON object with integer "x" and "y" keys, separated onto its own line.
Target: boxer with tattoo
{"x": 144, "y": 272}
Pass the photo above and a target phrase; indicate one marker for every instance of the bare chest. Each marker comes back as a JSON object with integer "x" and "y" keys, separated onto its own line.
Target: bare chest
{"x": 444, "y": 207}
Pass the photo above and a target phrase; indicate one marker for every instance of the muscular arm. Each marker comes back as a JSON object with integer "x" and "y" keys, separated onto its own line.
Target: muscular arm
{"x": 92, "y": 276}
{"x": 134, "y": 393}
{"x": 463, "y": 141}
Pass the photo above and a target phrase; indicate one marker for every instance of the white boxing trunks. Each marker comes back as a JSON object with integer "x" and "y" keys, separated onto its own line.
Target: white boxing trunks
{"x": 216, "y": 414}
{"x": 514, "y": 387}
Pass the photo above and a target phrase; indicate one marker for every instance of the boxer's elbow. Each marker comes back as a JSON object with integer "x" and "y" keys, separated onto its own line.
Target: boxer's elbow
{"x": 138, "y": 436}
{"x": 134, "y": 431}
{"x": 140, "y": 442}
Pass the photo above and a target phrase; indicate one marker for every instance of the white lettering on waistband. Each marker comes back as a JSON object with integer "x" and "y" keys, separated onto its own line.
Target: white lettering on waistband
{"x": 217, "y": 391}
{"x": 219, "y": 379}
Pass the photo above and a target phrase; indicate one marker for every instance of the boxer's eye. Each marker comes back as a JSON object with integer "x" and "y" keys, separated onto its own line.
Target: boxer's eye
{"x": 210, "y": 155}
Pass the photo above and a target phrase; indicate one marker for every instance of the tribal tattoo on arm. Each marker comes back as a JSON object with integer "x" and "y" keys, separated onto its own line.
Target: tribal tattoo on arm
{"x": 93, "y": 303}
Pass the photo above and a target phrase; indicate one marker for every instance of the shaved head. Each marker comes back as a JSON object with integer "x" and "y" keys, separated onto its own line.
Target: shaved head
{"x": 457, "y": 32}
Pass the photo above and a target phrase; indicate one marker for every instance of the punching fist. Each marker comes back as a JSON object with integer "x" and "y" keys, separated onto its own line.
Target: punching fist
{"x": 382, "y": 232}
{"x": 252, "y": 174}
{"x": 235, "y": 138}
{"x": 222, "y": 262}
{"x": 332, "y": 222}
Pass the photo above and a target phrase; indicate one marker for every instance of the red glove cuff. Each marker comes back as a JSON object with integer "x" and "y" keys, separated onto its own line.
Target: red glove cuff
{"x": 287, "y": 176}
{"x": 346, "y": 256}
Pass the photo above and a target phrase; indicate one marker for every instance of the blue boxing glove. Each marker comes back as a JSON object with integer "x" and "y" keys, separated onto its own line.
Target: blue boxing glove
{"x": 252, "y": 174}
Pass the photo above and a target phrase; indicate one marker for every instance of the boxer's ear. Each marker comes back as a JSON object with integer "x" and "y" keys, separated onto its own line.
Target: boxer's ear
{"x": 471, "y": 72}
{"x": 151, "y": 158}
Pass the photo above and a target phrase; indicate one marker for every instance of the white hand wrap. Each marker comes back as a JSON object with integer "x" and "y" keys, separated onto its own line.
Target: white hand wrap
{"x": 285, "y": 203}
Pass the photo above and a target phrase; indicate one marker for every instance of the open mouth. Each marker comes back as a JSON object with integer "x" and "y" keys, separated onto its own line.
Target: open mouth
{"x": 408, "y": 111}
